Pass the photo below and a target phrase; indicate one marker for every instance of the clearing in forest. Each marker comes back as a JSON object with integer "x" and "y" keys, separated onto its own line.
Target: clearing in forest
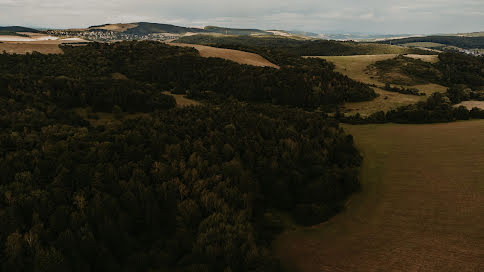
{"x": 182, "y": 100}
{"x": 357, "y": 68}
{"x": 230, "y": 54}
{"x": 421, "y": 207}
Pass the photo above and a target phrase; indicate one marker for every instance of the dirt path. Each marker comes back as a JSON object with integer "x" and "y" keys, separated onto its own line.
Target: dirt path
{"x": 229, "y": 54}
{"x": 421, "y": 208}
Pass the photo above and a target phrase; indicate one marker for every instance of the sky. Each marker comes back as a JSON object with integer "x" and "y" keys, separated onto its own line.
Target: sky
{"x": 320, "y": 16}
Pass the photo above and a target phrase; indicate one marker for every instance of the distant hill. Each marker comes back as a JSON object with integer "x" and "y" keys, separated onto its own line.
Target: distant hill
{"x": 144, "y": 28}
{"x": 457, "y": 41}
{"x": 316, "y": 47}
{"x": 235, "y": 31}
{"x": 17, "y": 29}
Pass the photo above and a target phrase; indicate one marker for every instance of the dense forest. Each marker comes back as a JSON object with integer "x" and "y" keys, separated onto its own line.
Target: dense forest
{"x": 458, "y": 41}
{"x": 308, "y": 83}
{"x": 157, "y": 188}
{"x": 268, "y": 46}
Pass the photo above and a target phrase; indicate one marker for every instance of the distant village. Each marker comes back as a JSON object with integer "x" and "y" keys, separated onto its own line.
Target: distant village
{"x": 109, "y": 36}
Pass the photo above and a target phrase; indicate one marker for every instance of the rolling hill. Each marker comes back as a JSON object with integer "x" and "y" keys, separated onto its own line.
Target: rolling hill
{"x": 457, "y": 41}
{"x": 17, "y": 29}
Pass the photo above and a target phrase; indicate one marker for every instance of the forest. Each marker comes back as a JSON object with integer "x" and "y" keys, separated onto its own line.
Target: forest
{"x": 307, "y": 83}
{"x": 162, "y": 188}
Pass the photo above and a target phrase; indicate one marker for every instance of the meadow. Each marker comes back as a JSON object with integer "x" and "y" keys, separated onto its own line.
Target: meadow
{"x": 238, "y": 56}
{"x": 359, "y": 68}
{"x": 421, "y": 206}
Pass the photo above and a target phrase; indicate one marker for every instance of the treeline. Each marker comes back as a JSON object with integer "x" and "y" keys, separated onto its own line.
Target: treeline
{"x": 402, "y": 90}
{"x": 462, "y": 42}
{"x": 437, "y": 108}
{"x": 451, "y": 69}
{"x": 308, "y": 83}
{"x": 293, "y": 47}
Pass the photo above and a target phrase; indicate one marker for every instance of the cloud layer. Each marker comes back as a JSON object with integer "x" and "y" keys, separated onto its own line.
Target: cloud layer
{"x": 371, "y": 16}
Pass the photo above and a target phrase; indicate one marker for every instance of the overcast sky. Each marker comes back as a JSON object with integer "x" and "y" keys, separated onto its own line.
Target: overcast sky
{"x": 370, "y": 16}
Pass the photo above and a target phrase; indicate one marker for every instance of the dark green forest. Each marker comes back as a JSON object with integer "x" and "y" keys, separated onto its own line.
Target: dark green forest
{"x": 161, "y": 188}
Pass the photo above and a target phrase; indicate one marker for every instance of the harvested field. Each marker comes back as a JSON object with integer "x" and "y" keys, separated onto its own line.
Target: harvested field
{"x": 471, "y": 104}
{"x": 229, "y": 54}
{"x": 427, "y": 58}
{"x": 37, "y": 42}
{"x": 116, "y": 27}
{"x": 356, "y": 67}
{"x": 421, "y": 207}
{"x": 23, "y": 48}
{"x": 182, "y": 101}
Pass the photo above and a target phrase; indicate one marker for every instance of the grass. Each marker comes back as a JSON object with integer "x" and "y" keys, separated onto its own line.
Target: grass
{"x": 424, "y": 44}
{"x": 44, "y": 47}
{"x": 182, "y": 101}
{"x": 229, "y": 54}
{"x": 356, "y": 67}
{"x": 421, "y": 207}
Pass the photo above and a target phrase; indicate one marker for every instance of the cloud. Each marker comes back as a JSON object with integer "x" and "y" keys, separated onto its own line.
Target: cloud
{"x": 375, "y": 16}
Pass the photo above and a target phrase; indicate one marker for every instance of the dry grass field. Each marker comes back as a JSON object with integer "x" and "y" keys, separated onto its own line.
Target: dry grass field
{"x": 356, "y": 67}
{"x": 229, "y": 54}
{"x": 116, "y": 27}
{"x": 421, "y": 207}
{"x": 471, "y": 104}
{"x": 44, "y": 47}
{"x": 182, "y": 101}
{"x": 37, "y": 42}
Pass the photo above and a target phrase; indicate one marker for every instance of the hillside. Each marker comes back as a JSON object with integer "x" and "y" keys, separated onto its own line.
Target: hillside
{"x": 17, "y": 29}
{"x": 235, "y": 31}
{"x": 299, "y": 47}
{"x": 457, "y": 41}
{"x": 420, "y": 209}
{"x": 99, "y": 171}
{"x": 144, "y": 28}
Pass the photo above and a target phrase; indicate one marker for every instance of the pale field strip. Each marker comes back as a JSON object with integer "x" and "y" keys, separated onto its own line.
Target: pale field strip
{"x": 238, "y": 56}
